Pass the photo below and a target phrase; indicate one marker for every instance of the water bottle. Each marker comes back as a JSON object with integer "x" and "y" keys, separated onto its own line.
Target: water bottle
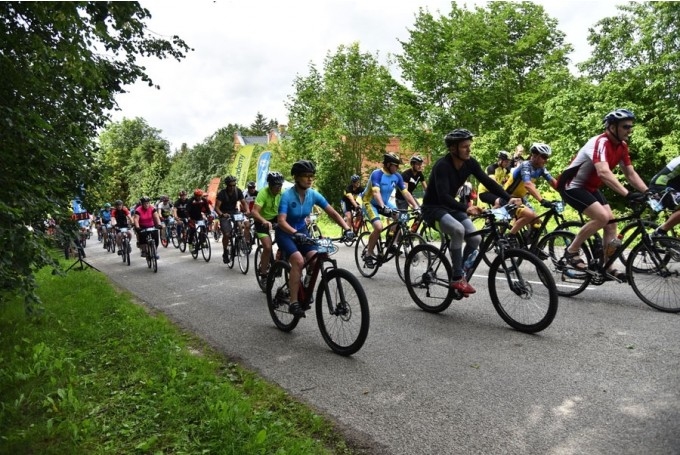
{"x": 306, "y": 280}
{"x": 597, "y": 249}
{"x": 469, "y": 262}
{"x": 613, "y": 246}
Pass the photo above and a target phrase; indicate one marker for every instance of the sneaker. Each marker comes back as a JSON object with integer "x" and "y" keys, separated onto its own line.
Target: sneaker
{"x": 120, "y": 253}
{"x": 296, "y": 309}
{"x": 156, "y": 256}
{"x": 658, "y": 232}
{"x": 463, "y": 286}
{"x": 370, "y": 261}
{"x": 393, "y": 250}
{"x": 513, "y": 241}
{"x": 225, "y": 258}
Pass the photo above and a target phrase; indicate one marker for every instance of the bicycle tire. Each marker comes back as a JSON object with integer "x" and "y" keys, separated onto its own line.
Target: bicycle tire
{"x": 152, "y": 256}
{"x": 231, "y": 251}
{"x": 655, "y": 275}
{"x": 127, "y": 251}
{"x": 359, "y": 250}
{"x": 175, "y": 238}
{"x": 206, "y": 249}
{"x": 256, "y": 266}
{"x": 628, "y": 230}
{"x": 523, "y": 291}
{"x": 344, "y": 321}
{"x": 242, "y": 255}
{"x": 427, "y": 274}
{"x": 408, "y": 242}
{"x": 112, "y": 242}
{"x": 278, "y": 297}
{"x": 182, "y": 242}
{"x": 195, "y": 247}
{"x": 550, "y": 249}
{"x": 164, "y": 240}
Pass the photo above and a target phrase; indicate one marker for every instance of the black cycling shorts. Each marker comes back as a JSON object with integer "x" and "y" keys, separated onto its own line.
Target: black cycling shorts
{"x": 580, "y": 198}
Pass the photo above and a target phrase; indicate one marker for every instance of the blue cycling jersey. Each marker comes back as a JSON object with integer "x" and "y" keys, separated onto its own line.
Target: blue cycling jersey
{"x": 296, "y": 210}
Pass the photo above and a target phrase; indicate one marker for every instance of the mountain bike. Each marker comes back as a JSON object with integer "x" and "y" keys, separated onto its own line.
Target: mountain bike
{"x": 341, "y": 305}
{"x": 201, "y": 241}
{"x": 396, "y": 240}
{"x": 238, "y": 247}
{"x": 110, "y": 239}
{"x": 521, "y": 288}
{"x": 149, "y": 235}
{"x": 652, "y": 265}
{"x": 170, "y": 233}
{"x": 358, "y": 224}
{"x": 183, "y": 235}
{"x": 275, "y": 256}
{"x": 125, "y": 247}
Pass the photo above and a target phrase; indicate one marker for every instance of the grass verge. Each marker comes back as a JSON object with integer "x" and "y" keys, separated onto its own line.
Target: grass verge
{"x": 95, "y": 373}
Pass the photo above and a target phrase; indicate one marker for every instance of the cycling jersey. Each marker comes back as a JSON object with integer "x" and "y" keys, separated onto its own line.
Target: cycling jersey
{"x": 121, "y": 217}
{"x": 164, "y": 209}
{"x": 525, "y": 172}
{"x": 386, "y": 183}
{"x": 669, "y": 176}
{"x": 145, "y": 216}
{"x": 250, "y": 198}
{"x": 581, "y": 172}
{"x": 295, "y": 210}
{"x": 105, "y": 216}
{"x": 181, "y": 207}
{"x": 354, "y": 192}
{"x": 229, "y": 200}
{"x": 411, "y": 179}
{"x": 268, "y": 203}
{"x": 196, "y": 209}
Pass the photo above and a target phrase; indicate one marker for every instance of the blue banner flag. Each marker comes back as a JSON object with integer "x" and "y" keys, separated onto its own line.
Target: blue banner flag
{"x": 263, "y": 169}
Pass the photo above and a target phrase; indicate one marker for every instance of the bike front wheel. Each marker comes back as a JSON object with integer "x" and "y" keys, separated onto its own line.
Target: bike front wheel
{"x": 342, "y": 312}
{"x": 427, "y": 274}
{"x": 654, "y": 273}
{"x": 407, "y": 244}
{"x": 151, "y": 256}
{"x": 278, "y": 297}
{"x": 360, "y": 250}
{"x": 523, "y": 291}
{"x": 550, "y": 249}
{"x": 206, "y": 249}
{"x": 242, "y": 255}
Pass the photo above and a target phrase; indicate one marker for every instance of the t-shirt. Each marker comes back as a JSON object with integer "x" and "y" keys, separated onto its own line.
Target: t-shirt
{"x": 196, "y": 208}
{"x": 229, "y": 201}
{"x": 165, "y": 209}
{"x": 411, "y": 180}
{"x": 354, "y": 192}
{"x": 145, "y": 216}
{"x": 268, "y": 203}
{"x": 181, "y": 207}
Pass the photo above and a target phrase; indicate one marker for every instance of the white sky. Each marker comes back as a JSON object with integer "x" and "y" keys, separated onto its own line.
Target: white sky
{"x": 248, "y": 52}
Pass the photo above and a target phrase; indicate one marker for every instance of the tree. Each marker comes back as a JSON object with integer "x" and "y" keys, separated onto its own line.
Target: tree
{"x": 339, "y": 118}
{"x": 62, "y": 65}
{"x": 262, "y": 126}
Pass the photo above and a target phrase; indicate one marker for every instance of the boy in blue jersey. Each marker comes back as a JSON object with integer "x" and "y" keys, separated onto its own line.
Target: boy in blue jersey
{"x": 295, "y": 205}
{"x": 376, "y": 199}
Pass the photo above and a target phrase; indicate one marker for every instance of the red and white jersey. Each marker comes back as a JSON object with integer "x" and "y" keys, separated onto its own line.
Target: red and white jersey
{"x": 581, "y": 172}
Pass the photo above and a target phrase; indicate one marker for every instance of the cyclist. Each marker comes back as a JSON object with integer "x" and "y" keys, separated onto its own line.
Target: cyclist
{"x": 179, "y": 211}
{"x": 226, "y": 204}
{"x": 250, "y": 195}
{"x": 518, "y": 156}
{"x": 349, "y": 202}
{"x": 265, "y": 210}
{"x": 146, "y": 216}
{"x": 164, "y": 207}
{"x": 198, "y": 209}
{"x": 668, "y": 178}
{"x": 591, "y": 167}
{"x": 295, "y": 205}
{"x": 121, "y": 218}
{"x": 105, "y": 221}
{"x": 448, "y": 174}
{"x": 500, "y": 171}
{"x": 412, "y": 177}
{"x": 376, "y": 199}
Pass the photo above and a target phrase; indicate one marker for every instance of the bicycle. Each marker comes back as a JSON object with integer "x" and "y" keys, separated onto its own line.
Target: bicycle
{"x": 652, "y": 266}
{"x": 149, "y": 235}
{"x": 275, "y": 256}
{"x": 201, "y": 241}
{"x": 358, "y": 224}
{"x": 238, "y": 247}
{"x": 182, "y": 235}
{"x": 125, "y": 247}
{"x": 110, "y": 239}
{"x": 392, "y": 245}
{"x": 342, "y": 312}
{"x": 521, "y": 288}
{"x": 170, "y": 233}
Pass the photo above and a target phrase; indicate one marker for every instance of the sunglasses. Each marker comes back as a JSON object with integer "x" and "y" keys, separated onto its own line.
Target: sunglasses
{"x": 545, "y": 157}
{"x": 309, "y": 176}
{"x": 231, "y": 186}
{"x": 627, "y": 127}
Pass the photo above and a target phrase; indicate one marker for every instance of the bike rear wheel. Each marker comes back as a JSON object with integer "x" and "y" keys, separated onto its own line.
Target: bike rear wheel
{"x": 654, "y": 273}
{"x": 151, "y": 255}
{"x": 242, "y": 255}
{"x": 256, "y": 265}
{"x": 523, "y": 291}
{"x": 342, "y": 312}
{"x": 125, "y": 248}
{"x": 206, "y": 249}
{"x": 231, "y": 251}
{"x": 550, "y": 249}
{"x": 427, "y": 274}
{"x": 360, "y": 250}
{"x": 278, "y": 297}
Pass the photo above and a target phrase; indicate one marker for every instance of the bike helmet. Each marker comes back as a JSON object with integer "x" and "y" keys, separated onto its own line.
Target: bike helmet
{"x": 275, "y": 178}
{"x": 539, "y": 148}
{"x": 303, "y": 167}
{"x": 251, "y": 184}
{"x": 107, "y": 206}
{"x": 118, "y": 202}
{"x": 145, "y": 199}
{"x": 355, "y": 178}
{"x": 229, "y": 179}
{"x": 198, "y": 192}
{"x": 616, "y": 116}
{"x": 457, "y": 136}
{"x": 503, "y": 155}
{"x": 182, "y": 193}
{"x": 417, "y": 159}
{"x": 165, "y": 198}
{"x": 391, "y": 158}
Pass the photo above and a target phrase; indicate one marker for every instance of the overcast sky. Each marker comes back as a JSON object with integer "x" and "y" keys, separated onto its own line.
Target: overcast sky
{"x": 248, "y": 52}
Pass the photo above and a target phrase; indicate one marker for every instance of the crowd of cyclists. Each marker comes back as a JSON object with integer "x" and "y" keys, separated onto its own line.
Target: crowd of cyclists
{"x": 448, "y": 203}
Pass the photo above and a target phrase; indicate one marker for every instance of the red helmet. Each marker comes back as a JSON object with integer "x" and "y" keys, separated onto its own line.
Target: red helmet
{"x": 198, "y": 192}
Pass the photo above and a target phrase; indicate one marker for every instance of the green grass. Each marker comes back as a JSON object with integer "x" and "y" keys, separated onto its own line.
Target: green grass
{"x": 96, "y": 373}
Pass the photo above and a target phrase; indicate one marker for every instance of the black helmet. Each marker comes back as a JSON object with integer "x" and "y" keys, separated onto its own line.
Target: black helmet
{"x": 145, "y": 199}
{"x": 391, "y": 158}
{"x": 355, "y": 178}
{"x": 251, "y": 184}
{"x": 539, "y": 148}
{"x": 229, "y": 179}
{"x": 457, "y": 136}
{"x": 118, "y": 202}
{"x": 416, "y": 159}
{"x": 182, "y": 192}
{"x": 617, "y": 115}
{"x": 503, "y": 155}
{"x": 303, "y": 167}
{"x": 275, "y": 178}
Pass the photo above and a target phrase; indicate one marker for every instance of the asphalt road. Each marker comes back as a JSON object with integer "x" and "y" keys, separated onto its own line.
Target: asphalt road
{"x": 604, "y": 378}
